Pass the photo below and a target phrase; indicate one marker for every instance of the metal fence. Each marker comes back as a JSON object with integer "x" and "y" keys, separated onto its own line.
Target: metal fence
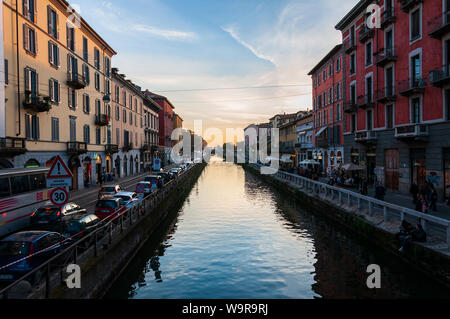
{"x": 50, "y": 274}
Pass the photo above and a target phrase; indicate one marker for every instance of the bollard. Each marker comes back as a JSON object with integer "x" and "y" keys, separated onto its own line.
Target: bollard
{"x": 385, "y": 211}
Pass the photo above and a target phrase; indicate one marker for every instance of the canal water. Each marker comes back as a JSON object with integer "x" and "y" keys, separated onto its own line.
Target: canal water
{"x": 237, "y": 237}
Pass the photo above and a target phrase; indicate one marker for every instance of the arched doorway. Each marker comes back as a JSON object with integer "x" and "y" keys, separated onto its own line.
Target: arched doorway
{"x": 117, "y": 166}
{"x": 99, "y": 168}
{"x": 339, "y": 157}
{"x": 125, "y": 166}
{"x": 87, "y": 173}
{"x": 4, "y": 163}
{"x": 32, "y": 163}
{"x": 74, "y": 163}
{"x": 136, "y": 160}
{"x": 131, "y": 165}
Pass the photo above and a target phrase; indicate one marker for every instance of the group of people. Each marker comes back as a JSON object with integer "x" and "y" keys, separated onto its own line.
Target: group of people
{"x": 424, "y": 197}
{"x": 408, "y": 233}
{"x": 309, "y": 173}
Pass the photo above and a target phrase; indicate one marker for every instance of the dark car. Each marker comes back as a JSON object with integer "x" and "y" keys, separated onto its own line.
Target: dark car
{"x": 54, "y": 218}
{"x": 81, "y": 226}
{"x": 109, "y": 190}
{"x": 108, "y": 208}
{"x": 166, "y": 176}
{"x": 14, "y": 249}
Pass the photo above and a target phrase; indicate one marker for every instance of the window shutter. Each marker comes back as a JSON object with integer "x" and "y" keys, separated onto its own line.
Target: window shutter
{"x": 37, "y": 128}
{"x": 25, "y": 37}
{"x": 67, "y": 35}
{"x": 35, "y": 42}
{"x": 50, "y": 53}
{"x": 50, "y": 90}
{"x": 59, "y": 91}
{"x": 26, "y": 10}
{"x": 49, "y": 20}
{"x": 35, "y": 11}
{"x": 37, "y": 83}
{"x": 57, "y": 25}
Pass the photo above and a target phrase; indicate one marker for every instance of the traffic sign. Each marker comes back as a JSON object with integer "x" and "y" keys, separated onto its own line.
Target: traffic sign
{"x": 59, "y": 196}
{"x": 140, "y": 188}
{"x": 59, "y": 169}
{"x": 59, "y": 182}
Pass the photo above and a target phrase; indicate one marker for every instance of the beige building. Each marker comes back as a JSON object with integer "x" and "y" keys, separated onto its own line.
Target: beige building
{"x": 58, "y": 85}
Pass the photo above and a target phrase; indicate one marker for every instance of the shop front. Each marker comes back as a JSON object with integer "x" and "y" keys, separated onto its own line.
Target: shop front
{"x": 418, "y": 166}
{"x": 87, "y": 171}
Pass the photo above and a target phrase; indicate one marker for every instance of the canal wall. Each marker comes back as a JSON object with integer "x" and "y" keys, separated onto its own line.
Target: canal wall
{"x": 432, "y": 263}
{"x": 99, "y": 273}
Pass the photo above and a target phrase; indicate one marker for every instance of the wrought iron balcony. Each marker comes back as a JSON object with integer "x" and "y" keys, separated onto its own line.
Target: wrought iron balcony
{"x": 101, "y": 120}
{"x": 12, "y": 146}
{"x": 412, "y": 86}
{"x": 409, "y": 4}
{"x": 365, "y": 34}
{"x": 387, "y": 56}
{"x": 386, "y": 94}
{"x": 413, "y": 131}
{"x": 37, "y": 103}
{"x": 365, "y": 101}
{"x": 441, "y": 76}
{"x": 127, "y": 147}
{"x": 349, "y": 45}
{"x": 439, "y": 25}
{"x": 366, "y": 137}
{"x": 76, "y": 148}
{"x": 76, "y": 81}
{"x": 350, "y": 107}
{"x": 111, "y": 149}
{"x": 387, "y": 18}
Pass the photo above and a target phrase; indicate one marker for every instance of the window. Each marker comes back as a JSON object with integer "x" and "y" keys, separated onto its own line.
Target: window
{"x": 52, "y": 19}
{"x": 97, "y": 58}
{"x": 352, "y": 64}
{"x": 117, "y": 113}
{"x": 32, "y": 127}
{"x": 131, "y": 118}
{"x": 416, "y": 68}
{"x": 117, "y": 97}
{"x": 107, "y": 87}
{"x": 339, "y": 112}
{"x": 72, "y": 94}
{"x": 98, "y": 107}
{"x": 98, "y": 136}
{"x": 388, "y": 41}
{"x": 416, "y": 112}
{"x": 29, "y": 10}
{"x": 54, "y": 91}
{"x": 72, "y": 65}
{"x": 369, "y": 120}
{"x": 97, "y": 81}
{"x": 107, "y": 66}
{"x": 353, "y": 123}
{"x": 369, "y": 89}
{"x": 85, "y": 49}
{"x": 353, "y": 93}
{"x": 53, "y": 54}
{"x": 369, "y": 53}
{"x": 86, "y": 104}
{"x": 324, "y": 75}
{"x": 29, "y": 40}
{"x": 31, "y": 81}
{"x": 117, "y": 136}
{"x": 389, "y": 116}
{"x": 338, "y": 65}
{"x": 73, "y": 128}
{"x": 6, "y": 72}
{"x": 125, "y": 98}
{"x": 55, "y": 129}
{"x": 131, "y": 102}
{"x": 86, "y": 134}
{"x": 124, "y": 116}
{"x": 86, "y": 74}
{"x": 415, "y": 24}
{"x": 70, "y": 37}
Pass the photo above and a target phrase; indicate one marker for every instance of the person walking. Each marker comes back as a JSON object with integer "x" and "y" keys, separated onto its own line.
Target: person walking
{"x": 380, "y": 191}
{"x": 433, "y": 200}
{"x": 414, "y": 191}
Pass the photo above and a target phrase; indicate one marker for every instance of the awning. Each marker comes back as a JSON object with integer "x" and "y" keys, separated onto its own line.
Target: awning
{"x": 321, "y": 131}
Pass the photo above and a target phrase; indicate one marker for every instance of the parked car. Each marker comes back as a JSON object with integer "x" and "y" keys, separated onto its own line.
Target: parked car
{"x": 54, "y": 218}
{"x": 81, "y": 226}
{"x": 108, "y": 208}
{"x": 42, "y": 244}
{"x": 147, "y": 188}
{"x": 166, "y": 176}
{"x": 128, "y": 200}
{"x": 109, "y": 190}
{"x": 155, "y": 180}
{"x": 175, "y": 171}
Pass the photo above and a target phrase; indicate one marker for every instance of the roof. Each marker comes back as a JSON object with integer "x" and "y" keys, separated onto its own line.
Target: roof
{"x": 353, "y": 14}
{"x": 27, "y": 236}
{"x": 284, "y": 116}
{"x": 288, "y": 124}
{"x": 158, "y": 97}
{"x": 329, "y": 55}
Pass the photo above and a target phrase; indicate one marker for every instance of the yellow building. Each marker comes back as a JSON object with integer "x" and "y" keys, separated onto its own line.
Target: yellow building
{"x": 288, "y": 139}
{"x": 58, "y": 90}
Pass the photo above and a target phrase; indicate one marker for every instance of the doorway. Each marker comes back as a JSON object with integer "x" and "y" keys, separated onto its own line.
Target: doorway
{"x": 391, "y": 169}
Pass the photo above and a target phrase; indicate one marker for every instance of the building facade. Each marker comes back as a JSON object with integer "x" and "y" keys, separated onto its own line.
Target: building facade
{"x": 151, "y": 149}
{"x": 305, "y": 137}
{"x": 328, "y": 82}
{"x": 398, "y": 93}
{"x": 288, "y": 139}
{"x": 58, "y": 84}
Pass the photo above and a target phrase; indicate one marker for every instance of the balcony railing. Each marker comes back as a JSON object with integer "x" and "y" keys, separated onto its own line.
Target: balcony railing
{"x": 387, "y": 17}
{"x": 441, "y": 76}
{"x": 349, "y": 45}
{"x": 127, "y": 147}
{"x": 102, "y": 120}
{"x": 365, "y": 101}
{"x": 76, "y": 148}
{"x": 386, "y": 94}
{"x": 76, "y": 81}
{"x": 439, "y": 25}
{"x": 412, "y": 86}
{"x": 350, "y": 106}
{"x": 408, "y": 4}
{"x": 411, "y": 131}
{"x": 303, "y": 145}
{"x": 366, "y": 137}
{"x": 111, "y": 149}
{"x": 12, "y": 146}
{"x": 365, "y": 33}
{"x": 387, "y": 56}
{"x": 37, "y": 103}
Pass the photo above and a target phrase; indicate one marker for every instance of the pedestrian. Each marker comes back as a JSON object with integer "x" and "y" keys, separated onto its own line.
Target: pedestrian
{"x": 405, "y": 234}
{"x": 414, "y": 191}
{"x": 433, "y": 199}
{"x": 380, "y": 191}
{"x": 100, "y": 179}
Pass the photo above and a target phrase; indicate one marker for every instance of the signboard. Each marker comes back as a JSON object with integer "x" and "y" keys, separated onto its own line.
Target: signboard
{"x": 59, "y": 174}
{"x": 140, "y": 188}
{"x": 156, "y": 164}
{"x": 59, "y": 196}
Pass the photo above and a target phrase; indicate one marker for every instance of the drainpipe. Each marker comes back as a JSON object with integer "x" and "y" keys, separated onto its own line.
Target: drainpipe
{"x": 18, "y": 68}
{"x": 2, "y": 82}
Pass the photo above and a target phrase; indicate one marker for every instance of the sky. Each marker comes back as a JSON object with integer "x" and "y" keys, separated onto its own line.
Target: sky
{"x": 199, "y": 46}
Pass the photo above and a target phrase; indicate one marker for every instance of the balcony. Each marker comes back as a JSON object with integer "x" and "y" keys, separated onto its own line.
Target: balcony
{"x": 127, "y": 147}
{"x": 111, "y": 149}
{"x": 350, "y": 107}
{"x": 76, "y": 148}
{"x": 365, "y": 34}
{"x": 412, "y": 131}
{"x": 323, "y": 143}
{"x": 36, "y": 103}
{"x": 365, "y": 101}
{"x": 441, "y": 76}
{"x": 349, "y": 45}
{"x": 387, "y": 18}
{"x": 386, "y": 57}
{"x": 76, "y": 81}
{"x": 408, "y": 4}
{"x": 102, "y": 120}
{"x": 12, "y": 146}
{"x": 287, "y": 147}
{"x": 366, "y": 137}
{"x": 386, "y": 95}
{"x": 303, "y": 145}
{"x": 412, "y": 86}
{"x": 145, "y": 147}
{"x": 439, "y": 25}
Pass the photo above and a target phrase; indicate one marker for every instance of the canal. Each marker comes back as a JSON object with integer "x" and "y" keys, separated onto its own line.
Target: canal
{"x": 237, "y": 237}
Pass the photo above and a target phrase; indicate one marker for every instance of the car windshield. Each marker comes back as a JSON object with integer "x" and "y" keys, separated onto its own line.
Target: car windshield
{"x": 108, "y": 189}
{"x": 14, "y": 248}
{"x": 46, "y": 211}
{"x": 123, "y": 199}
{"x": 106, "y": 204}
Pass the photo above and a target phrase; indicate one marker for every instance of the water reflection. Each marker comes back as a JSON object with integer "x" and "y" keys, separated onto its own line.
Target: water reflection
{"x": 237, "y": 237}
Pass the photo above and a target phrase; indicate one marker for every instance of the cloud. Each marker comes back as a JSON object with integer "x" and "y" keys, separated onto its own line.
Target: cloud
{"x": 165, "y": 33}
{"x": 255, "y": 51}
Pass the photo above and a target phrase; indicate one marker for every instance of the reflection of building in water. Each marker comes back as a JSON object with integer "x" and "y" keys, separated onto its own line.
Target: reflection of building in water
{"x": 154, "y": 264}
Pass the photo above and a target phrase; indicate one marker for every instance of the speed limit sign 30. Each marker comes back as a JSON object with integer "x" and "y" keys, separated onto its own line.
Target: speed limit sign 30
{"x": 59, "y": 196}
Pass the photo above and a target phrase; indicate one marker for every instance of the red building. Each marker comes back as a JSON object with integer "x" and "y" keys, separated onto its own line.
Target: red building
{"x": 166, "y": 120}
{"x": 397, "y": 92}
{"x": 328, "y": 81}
